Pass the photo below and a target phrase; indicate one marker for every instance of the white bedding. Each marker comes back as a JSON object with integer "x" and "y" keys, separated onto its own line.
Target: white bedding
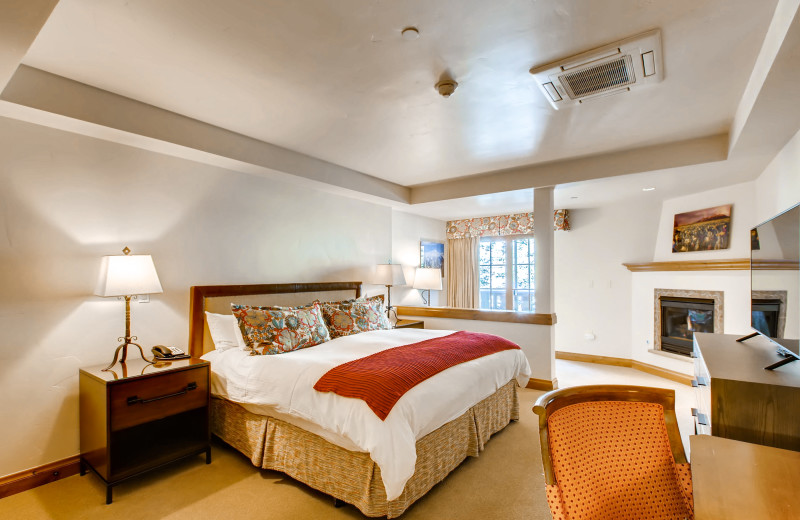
{"x": 283, "y": 385}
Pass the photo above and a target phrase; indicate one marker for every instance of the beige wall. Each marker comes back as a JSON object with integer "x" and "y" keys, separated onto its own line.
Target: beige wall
{"x": 740, "y": 196}
{"x": 407, "y": 231}
{"x": 592, "y": 289}
{"x": 778, "y": 187}
{"x": 66, "y": 200}
{"x": 601, "y": 297}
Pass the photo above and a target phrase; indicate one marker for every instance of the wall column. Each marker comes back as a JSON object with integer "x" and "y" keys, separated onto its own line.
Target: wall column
{"x": 544, "y": 278}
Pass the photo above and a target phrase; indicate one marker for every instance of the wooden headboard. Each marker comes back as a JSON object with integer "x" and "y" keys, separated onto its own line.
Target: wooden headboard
{"x": 218, "y": 298}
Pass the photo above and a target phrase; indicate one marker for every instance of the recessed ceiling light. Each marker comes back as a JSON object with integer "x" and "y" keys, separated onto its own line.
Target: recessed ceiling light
{"x": 410, "y": 33}
{"x": 648, "y": 189}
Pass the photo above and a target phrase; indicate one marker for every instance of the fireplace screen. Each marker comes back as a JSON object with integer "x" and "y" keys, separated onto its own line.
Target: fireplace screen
{"x": 680, "y": 319}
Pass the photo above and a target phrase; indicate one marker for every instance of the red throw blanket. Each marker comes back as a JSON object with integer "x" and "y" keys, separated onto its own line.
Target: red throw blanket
{"x": 383, "y": 378}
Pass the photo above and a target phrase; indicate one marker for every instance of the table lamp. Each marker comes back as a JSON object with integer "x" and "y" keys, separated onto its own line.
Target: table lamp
{"x": 389, "y": 275}
{"x": 428, "y": 279}
{"x": 125, "y": 276}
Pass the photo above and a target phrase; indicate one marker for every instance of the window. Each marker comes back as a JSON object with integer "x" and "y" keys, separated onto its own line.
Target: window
{"x": 505, "y": 266}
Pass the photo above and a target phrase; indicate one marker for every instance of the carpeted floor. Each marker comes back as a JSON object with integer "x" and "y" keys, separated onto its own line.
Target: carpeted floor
{"x": 504, "y": 482}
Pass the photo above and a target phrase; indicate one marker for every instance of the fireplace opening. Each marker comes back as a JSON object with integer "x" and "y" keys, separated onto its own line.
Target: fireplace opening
{"x": 680, "y": 319}
{"x": 766, "y": 314}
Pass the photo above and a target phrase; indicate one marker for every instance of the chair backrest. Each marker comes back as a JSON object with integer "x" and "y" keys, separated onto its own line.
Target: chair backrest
{"x": 612, "y": 449}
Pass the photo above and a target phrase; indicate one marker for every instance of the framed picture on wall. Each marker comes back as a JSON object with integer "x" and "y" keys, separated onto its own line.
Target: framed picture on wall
{"x": 431, "y": 254}
{"x": 702, "y": 230}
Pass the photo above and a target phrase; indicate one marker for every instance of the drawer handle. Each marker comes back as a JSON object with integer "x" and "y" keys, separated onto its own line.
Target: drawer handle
{"x": 135, "y": 399}
{"x": 702, "y": 381}
{"x": 694, "y": 383}
{"x": 702, "y": 419}
{"x": 694, "y": 412}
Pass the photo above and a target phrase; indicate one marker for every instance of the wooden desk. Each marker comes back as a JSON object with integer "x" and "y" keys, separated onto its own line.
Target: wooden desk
{"x": 738, "y": 399}
{"x": 737, "y": 480}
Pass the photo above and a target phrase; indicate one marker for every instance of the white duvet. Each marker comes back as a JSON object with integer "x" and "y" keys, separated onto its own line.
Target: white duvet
{"x": 284, "y": 384}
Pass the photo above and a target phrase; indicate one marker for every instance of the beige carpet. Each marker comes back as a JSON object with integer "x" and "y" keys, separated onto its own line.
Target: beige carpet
{"x": 504, "y": 482}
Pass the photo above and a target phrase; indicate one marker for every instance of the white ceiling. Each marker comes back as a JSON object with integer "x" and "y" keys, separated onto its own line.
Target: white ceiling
{"x": 336, "y": 81}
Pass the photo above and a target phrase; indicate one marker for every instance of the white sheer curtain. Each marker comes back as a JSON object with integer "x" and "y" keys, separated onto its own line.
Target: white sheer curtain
{"x": 461, "y": 271}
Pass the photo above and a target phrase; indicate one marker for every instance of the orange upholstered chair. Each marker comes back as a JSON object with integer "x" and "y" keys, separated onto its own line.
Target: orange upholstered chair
{"x": 613, "y": 452}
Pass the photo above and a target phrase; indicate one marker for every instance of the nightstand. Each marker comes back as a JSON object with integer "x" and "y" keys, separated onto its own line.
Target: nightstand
{"x": 409, "y": 324}
{"x": 138, "y": 417}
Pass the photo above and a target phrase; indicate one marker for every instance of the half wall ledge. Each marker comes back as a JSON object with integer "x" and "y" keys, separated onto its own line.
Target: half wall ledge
{"x": 533, "y": 332}
{"x": 456, "y": 313}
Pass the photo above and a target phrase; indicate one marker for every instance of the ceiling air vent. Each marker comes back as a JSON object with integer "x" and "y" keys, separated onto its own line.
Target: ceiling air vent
{"x": 614, "y": 68}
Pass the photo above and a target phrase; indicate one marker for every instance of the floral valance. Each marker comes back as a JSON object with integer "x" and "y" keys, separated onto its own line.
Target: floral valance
{"x": 518, "y": 224}
{"x": 561, "y": 220}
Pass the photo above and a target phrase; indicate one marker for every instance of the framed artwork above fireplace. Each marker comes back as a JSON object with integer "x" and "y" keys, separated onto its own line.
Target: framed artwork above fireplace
{"x": 702, "y": 230}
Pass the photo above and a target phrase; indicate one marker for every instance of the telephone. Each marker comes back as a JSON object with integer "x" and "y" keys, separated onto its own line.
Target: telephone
{"x": 163, "y": 352}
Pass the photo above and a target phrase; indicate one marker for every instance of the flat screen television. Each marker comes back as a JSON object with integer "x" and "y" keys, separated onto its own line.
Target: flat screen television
{"x": 775, "y": 283}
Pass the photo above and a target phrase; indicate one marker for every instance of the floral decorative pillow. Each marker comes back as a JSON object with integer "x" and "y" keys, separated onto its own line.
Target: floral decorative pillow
{"x": 354, "y": 316}
{"x": 275, "y": 330}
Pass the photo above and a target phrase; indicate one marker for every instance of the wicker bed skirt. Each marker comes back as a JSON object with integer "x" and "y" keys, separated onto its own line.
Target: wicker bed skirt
{"x": 353, "y": 477}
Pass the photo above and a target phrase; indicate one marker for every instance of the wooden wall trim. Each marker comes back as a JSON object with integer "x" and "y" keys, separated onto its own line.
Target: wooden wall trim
{"x": 775, "y": 265}
{"x": 542, "y": 384}
{"x": 199, "y": 293}
{"x": 455, "y": 313}
{"x": 40, "y": 475}
{"x": 678, "y": 377}
{"x": 736, "y": 264}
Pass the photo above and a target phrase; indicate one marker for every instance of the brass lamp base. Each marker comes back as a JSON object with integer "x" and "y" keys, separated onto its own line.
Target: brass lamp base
{"x": 127, "y": 339}
{"x": 124, "y": 348}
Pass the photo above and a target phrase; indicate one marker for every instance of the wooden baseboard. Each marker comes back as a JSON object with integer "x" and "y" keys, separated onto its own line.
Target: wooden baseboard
{"x": 38, "y": 476}
{"x": 678, "y": 377}
{"x": 629, "y": 363}
{"x": 542, "y": 384}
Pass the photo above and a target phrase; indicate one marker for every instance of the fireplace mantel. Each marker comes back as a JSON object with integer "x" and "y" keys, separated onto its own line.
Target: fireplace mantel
{"x": 734, "y": 264}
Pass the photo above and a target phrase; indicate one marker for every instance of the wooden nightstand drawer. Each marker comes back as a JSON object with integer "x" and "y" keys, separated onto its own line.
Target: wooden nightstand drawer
{"x": 142, "y": 401}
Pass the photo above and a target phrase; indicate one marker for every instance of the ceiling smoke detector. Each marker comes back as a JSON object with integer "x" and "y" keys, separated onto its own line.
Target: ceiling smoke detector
{"x": 612, "y": 69}
{"x": 446, "y": 87}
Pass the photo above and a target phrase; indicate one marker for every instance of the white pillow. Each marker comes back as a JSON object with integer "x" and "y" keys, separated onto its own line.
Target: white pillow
{"x": 225, "y": 331}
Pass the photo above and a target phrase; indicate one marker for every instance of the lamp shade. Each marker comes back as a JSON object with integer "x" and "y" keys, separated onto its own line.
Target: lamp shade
{"x": 429, "y": 278}
{"x": 390, "y": 274}
{"x": 127, "y": 275}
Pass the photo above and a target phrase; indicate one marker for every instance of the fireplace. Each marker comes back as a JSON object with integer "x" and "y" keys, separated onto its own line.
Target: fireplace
{"x": 680, "y": 319}
{"x": 681, "y": 313}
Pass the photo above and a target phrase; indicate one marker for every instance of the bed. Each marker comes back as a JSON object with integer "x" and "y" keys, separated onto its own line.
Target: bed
{"x": 315, "y": 448}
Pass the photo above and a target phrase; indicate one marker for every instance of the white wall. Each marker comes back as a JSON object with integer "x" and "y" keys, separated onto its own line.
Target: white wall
{"x": 778, "y": 187}
{"x": 66, "y": 200}
{"x": 736, "y": 308}
{"x": 743, "y": 217}
{"x": 774, "y": 191}
{"x": 734, "y": 284}
{"x": 407, "y": 231}
{"x": 592, "y": 286}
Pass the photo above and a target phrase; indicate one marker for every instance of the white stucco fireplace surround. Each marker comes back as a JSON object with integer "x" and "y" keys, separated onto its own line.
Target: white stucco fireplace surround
{"x": 732, "y": 282}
